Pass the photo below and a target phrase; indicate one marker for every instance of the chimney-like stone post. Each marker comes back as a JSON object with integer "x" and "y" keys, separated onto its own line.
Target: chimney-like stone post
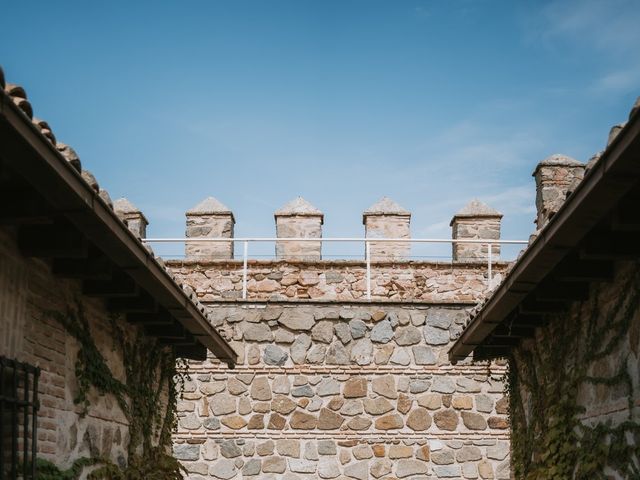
{"x": 299, "y": 219}
{"x": 131, "y": 216}
{"x": 210, "y": 218}
{"x": 475, "y": 221}
{"x": 387, "y": 219}
{"x": 554, "y": 176}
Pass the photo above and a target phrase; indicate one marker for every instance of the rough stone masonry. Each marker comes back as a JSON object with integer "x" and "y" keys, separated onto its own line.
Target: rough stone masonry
{"x": 330, "y": 385}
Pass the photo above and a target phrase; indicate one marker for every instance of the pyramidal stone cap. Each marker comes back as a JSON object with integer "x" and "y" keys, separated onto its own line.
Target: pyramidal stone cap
{"x": 210, "y": 206}
{"x": 558, "y": 160}
{"x": 298, "y": 207}
{"x": 476, "y": 208}
{"x": 385, "y": 206}
{"x": 124, "y": 206}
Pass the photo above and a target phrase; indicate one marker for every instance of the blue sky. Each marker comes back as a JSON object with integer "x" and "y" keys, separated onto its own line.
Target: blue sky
{"x": 432, "y": 103}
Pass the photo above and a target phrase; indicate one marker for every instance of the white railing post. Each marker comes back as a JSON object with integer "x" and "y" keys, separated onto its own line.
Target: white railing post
{"x": 245, "y": 256}
{"x": 489, "y": 266}
{"x": 368, "y": 259}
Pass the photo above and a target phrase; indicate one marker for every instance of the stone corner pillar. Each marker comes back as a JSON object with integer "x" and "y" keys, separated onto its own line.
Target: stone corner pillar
{"x": 475, "y": 221}
{"x": 210, "y": 218}
{"x": 554, "y": 177}
{"x": 387, "y": 219}
{"x": 298, "y": 219}
{"x": 131, "y": 215}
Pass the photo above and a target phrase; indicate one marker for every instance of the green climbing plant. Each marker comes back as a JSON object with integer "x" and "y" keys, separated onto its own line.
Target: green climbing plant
{"x": 550, "y": 438}
{"x": 147, "y": 397}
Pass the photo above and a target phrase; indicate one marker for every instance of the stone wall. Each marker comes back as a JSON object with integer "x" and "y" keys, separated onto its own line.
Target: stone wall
{"x": 592, "y": 351}
{"x": 342, "y": 390}
{"x": 338, "y": 280}
{"x": 28, "y": 293}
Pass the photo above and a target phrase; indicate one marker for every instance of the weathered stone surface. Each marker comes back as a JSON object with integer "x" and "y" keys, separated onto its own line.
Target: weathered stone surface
{"x": 329, "y": 420}
{"x": 316, "y": 354}
{"x": 408, "y": 336}
{"x": 362, "y": 452}
{"x": 185, "y": 451}
{"x": 419, "y": 419}
{"x": 446, "y": 420}
{"x": 265, "y": 448}
{"x": 327, "y": 447}
{"x": 377, "y": 406}
{"x": 295, "y": 319}
{"x": 400, "y": 451}
{"x": 328, "y": 468}
{"x": 485, "y": 469}
{"x": 500, "y": 423}
{"x": 359, "y": 423}
{"x": 400, "y": 357}
{"x": 382, "y": 332}
{"x": 343, "y": 332}
{"x": 443, "y": 457}
{"x": 274, "y": 355}
{"x": 467, "y": 385}
{"x": 260, "y": 389}
{"x": 256, "y": 422}
{"x": 443, "y": 385}
{"x": 380, "y": 467}
{"x": 302, "y": 465}
{"x": 423, "y": 355}
{"x": 322, "y": 332}
{"x": 436, "y": 336}
{"x": 252, "y": 467}
{"x": 469, "y": 453}
{"x": 385, "y": 385}
{"x": 222, "y": 404}
{"x": 473, "y": 421}
{"x": 462, "y": 402}
{"x": 303, "y": 421}
{"x": 447, "y": 471}
{"x": 235, "y": 422}
{"x": 498, "y": 451}
{"x": 337, "y": 354}
{"x": 484, "y": 403}
{"x": 303, "y": 391}
{"x": 361, "y": 351}
{"x": 408, "y": 467}
{"x": 355, "y": 387}
{"x": 235, "y": 386}
{"x": 223, "y": 469}
{"x": 258, "y": 332}
{"x": 358, "y": 328}
{"x": 299, "y": 348}
{"x": 288, "y": 447}
{"x": 389, "y": 422}
{"x": 404, "y": 403}
{"x": 229, "y": 449}
{"x": 283, "y": 405}
{"x": 358, "y": 470}
{"x": 328, "y": 386}
{"x": 274, "y": 465}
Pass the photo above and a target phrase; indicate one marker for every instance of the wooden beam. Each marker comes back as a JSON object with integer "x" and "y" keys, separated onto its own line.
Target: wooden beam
{"x": 194, "y": 352}
{"x": 161, "y": 317}
{"x": 20, "y": 204}
{"x": 612, "y": 246}
{"x": 513, "y": 331}
{"x": 121, "y": 285}
{"x": 533, "y": 306}
{"x": 562, "y": 291}
{"x": 60, "y": 240}
{"x": 142, "y": 303}
{"x": 95, "y": 267}
{"x": 580, "y": 270}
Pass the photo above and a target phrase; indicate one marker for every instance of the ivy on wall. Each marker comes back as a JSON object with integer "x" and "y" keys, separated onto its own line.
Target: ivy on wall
{"x": 147, "y": 397}
{"x": 570, "y": 356}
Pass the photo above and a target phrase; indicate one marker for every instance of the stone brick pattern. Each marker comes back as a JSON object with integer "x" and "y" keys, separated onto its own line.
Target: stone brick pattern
{"x": 473, "y": 228}
{"x": 342, "y": 391}
{"x": 28, "y": 292}
{"x": 338, "y": 280}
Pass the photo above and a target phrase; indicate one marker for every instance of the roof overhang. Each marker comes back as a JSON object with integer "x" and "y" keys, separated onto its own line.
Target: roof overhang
{"x": 61, "y": 204}
{"x": 598, "y": 223}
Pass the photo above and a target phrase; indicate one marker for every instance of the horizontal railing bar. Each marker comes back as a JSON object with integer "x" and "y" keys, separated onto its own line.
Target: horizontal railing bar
{"x": 306, "y": 239}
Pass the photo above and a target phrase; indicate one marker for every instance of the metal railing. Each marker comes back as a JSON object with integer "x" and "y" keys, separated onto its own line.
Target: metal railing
{"x": 245, "y": 241}
{"x": 18, "y": 412}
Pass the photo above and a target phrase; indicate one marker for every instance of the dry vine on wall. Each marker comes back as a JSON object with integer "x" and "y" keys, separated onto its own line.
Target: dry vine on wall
{"x": 147, "y": 397}
{"x": 549, "y": 439}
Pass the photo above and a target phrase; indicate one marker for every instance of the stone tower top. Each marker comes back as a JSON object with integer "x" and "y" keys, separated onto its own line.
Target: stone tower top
{"x": 476, "y": 208}
{"x": 132, "y": 216}
{"x": 554, "y": 176}
{"x": 210, "y": 206}
{"x": 299, "y": 207}
{"x": 385, "y": 206}
{"x": 476, "y": 220}
{"x": 298, "y": 219}
{"x": 387, "y": 219}
{"x": 210, "y": 218}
